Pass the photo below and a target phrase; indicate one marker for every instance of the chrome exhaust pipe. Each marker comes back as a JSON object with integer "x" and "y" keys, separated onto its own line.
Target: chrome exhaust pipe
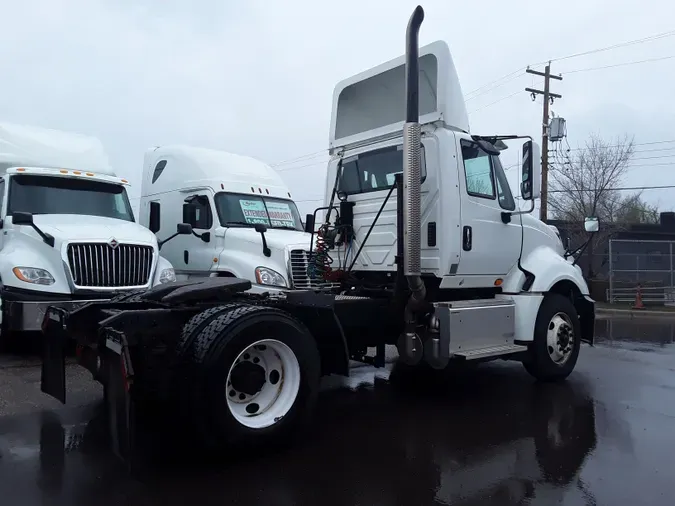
{"x": 411, "y": 349}
{"x": 412, "y": 159}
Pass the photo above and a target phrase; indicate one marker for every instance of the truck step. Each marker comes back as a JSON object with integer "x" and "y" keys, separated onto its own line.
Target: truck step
{"x": 492, "y": 351}
{"x": 475, "y": 303}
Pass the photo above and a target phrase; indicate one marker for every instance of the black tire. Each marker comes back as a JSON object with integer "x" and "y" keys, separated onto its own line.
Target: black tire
{"x": 539, "y": 363}
{"x": 214, "y": 351}
{"x": 180, "y": 363}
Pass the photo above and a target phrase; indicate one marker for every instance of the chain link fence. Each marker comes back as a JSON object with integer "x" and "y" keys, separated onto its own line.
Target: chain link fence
{"x": 645, "y": 264}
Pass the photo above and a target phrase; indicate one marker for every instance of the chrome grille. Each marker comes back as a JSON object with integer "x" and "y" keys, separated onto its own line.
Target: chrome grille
{"x": 299, "y": 277}
{"x": 101, "y": 265}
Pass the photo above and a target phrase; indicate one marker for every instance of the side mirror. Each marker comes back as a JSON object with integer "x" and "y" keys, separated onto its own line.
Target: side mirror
{"x": 261, "y": 228}
{"x": 183, "y": 229}
{"x": 153, "y": 224}
{"x": 530, "y": 186}
{"x": 22, "y": 218}
{"x": 309, "y": 223}
{"x": 591, "y": 225}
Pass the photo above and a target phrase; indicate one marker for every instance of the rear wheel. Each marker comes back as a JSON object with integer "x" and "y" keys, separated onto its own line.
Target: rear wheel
{"x": 556, "y": 345}
{"x": 257, "y": 374}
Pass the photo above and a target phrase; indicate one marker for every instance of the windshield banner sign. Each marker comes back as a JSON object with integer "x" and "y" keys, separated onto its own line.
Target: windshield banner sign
{"x": 280, "y": 214}
{"x": 254, "y": 211}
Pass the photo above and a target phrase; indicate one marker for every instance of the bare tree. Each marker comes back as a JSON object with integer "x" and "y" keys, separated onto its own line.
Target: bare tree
{"x": 583, "y": 184}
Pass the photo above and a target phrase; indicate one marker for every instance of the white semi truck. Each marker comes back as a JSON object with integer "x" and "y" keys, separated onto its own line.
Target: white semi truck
{"x": 244, "y": 221}
{"x": 440, "y": 263}
{"x": 68, "y": 232}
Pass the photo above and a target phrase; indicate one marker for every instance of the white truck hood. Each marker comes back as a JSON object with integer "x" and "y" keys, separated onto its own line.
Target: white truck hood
{"x": 73, "y": 228}
{"x": 276, "y": 238}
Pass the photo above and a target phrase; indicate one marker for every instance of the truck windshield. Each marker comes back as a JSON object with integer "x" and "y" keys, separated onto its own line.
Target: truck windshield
{"x": 63, "y": 195}
{"x": 235, "y": 209}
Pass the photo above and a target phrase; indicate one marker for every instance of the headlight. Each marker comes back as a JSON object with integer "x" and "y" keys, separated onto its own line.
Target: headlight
{"x": 34, "y": 275}
{"x": 167, "y": 275}
{"x": 265, "y": 276}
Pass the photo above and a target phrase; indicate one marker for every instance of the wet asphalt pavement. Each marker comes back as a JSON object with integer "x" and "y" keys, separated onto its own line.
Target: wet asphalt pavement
{"x": 383, "y": 437}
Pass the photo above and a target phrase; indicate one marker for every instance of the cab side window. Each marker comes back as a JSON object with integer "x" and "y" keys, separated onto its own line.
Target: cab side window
{"x": 159, "y": 168}
{"x": 374, "y": 170}
{"x": 504, "y": 195}
{"x": 197, "y": 212}
{"x": 2, "y": 193}
{"x": 478, "y": 171}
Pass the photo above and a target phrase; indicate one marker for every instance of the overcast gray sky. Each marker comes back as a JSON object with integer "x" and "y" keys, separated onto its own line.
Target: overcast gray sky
{"x": 256, "y": 77}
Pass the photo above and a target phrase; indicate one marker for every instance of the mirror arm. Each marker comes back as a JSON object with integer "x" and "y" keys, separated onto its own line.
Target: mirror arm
{"x": 204, "y": 236}
{"x": 580, "y": 249}
{"x": 266, "y": 251}
{"x": 516, "y": 213}
{"x": 162, "y": 243}
{"x": 47, "y": 238}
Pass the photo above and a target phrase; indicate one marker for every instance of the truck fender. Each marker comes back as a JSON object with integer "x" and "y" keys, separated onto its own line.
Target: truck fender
{"x": 324, "y": 325}
{"x": 550, "y": 269}
{"x": 551, "y": 273}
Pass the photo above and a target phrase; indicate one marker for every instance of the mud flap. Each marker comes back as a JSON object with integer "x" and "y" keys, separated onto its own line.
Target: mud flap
{"x": 586, "y": 309}
{"x": 53, "y": 381}
{"x": 118, "y": 386}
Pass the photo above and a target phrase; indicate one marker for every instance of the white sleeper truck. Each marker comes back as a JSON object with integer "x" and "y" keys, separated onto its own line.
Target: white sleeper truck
{"x": 68, "y": 233}
{"x": 244, "y": 222}
{"x": 440, "y": 262}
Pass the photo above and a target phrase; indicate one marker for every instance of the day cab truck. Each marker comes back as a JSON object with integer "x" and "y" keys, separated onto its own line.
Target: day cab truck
{"x": 68, "y": 233}
{"x": 244, "y": 221}
{"x": 441, "y": 263}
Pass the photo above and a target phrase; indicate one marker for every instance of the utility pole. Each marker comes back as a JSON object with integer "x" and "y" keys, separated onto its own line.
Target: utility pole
{"x": 548, "y": 96}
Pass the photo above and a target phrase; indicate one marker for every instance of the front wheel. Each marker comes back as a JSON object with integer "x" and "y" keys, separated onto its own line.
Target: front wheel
{"x": 555, "y": 349}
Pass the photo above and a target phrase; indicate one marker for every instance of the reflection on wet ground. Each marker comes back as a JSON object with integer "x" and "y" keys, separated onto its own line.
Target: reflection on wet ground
{"x": 654, "y": 331}
{"x": 489, "y": 435}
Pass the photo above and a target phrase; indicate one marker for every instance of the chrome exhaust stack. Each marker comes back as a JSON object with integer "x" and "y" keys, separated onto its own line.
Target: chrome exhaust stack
{"x": 411, "y": 350}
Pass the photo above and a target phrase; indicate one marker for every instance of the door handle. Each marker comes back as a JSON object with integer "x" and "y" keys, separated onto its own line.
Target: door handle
{"x": 466, "y": 238}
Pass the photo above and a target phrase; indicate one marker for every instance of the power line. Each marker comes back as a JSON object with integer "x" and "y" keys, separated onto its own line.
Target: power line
{"x": 300, "y": 158}
{"x": 621, "y": 188}
{"x": 283, "y": 169}
{"x": 620, "y": 64}
{"x": 488, "y": 90}
{"x": 495, "y": 102}
{"x": 507, "y": 76}
{"x": 613, "y": 46}
{"x": 651, "y": 143}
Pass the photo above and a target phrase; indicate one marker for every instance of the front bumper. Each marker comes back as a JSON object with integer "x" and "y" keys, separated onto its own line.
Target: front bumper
{"x": 256, "y": 288}
{"x": 27, "y": 316}
{"x": 24, "y": 310}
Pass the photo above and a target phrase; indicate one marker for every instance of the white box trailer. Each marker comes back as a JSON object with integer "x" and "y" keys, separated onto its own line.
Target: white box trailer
{"x": 68, "y": 232}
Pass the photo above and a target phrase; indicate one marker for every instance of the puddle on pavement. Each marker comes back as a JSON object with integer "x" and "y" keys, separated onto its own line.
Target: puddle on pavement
{"x": 649, "y": 331}
{"x": 490, "y": 434}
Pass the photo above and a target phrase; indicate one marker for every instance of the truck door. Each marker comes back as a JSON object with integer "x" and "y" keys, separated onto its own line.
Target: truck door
{"x": 197, "y": 253}
{"x": 491, "y": 238}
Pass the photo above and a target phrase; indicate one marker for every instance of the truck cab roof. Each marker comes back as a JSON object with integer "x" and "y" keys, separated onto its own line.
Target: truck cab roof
{"x": 369, "y": 104}
{"x": 24, "y": 145}
{"x": 65, "y": 173}
{"x": 180, "y": 167}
